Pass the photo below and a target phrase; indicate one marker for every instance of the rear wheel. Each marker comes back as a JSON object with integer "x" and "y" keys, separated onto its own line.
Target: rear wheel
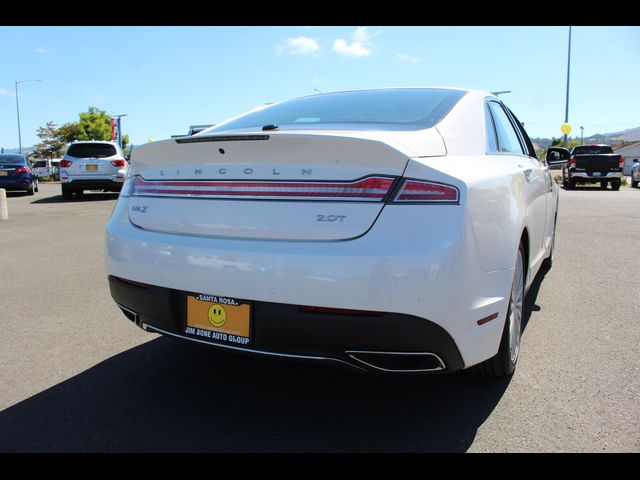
{"x": 504, "y": 362}
{"x": 67, "y": 193}
{"x": 32, "y": 190}
{"x": 572, "y": 183}
{"x": 615, "y": 185}
{"x": 634, "y": 183}
{"x": 603, "y": 184}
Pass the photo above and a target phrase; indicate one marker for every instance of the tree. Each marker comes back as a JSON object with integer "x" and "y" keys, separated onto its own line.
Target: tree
{"x": 51, "y": 145}
{"x": 94, "y": 124}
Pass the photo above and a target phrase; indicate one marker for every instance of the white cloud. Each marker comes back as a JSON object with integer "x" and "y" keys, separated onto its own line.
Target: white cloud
{"x": 319, "y": 81}
{"x": 40, "y": 50}
{"x": 359, "y": 47}
{"x": 300, "y": 46}
{"x": 6, "y": 93}
{"x": 404, "y": 57}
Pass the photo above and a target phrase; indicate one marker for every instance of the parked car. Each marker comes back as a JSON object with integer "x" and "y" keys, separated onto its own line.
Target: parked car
{"x": 635, "y": 173}
{"x": 47, "y": 168}
{"x": 92, "y": 165}
{"x": 343, "y": 228}
{"x": 589, "y": 164}
{"x": 15, "y": 174}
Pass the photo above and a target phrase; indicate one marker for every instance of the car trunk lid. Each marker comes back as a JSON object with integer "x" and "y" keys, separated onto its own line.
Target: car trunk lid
{"x": 280, "y": 186}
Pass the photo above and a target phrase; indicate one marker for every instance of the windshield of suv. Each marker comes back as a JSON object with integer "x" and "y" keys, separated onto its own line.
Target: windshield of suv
{"x": 414, "y": 108}
{"x": 12, "y": 160}
{"x": 92, "y": 150}
{"x": 40, "y": 164}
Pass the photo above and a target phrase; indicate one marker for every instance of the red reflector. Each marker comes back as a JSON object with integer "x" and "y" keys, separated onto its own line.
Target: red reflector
{"x": 339, "y": 311}
{"x": 118, "y": 163}
{"x": 419, "y": 191}
{"x": 484, "y": 320}
{"x": 372, "y": 189}
{"x": 65, "y": 163}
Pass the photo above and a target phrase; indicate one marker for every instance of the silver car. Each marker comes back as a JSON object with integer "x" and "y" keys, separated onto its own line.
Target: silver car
{"x": 92, "y": 165}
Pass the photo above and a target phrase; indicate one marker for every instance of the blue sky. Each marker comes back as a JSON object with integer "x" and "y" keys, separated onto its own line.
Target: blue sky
{"x": 167, "y": 78}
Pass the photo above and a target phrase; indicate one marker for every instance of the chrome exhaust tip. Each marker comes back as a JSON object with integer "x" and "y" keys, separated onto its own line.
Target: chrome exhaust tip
{"x": 398, "y": 362}
{"x": 130, "y": 314}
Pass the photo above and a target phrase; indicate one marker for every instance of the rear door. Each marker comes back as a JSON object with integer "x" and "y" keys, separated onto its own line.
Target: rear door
{"x": 536, "y": 178}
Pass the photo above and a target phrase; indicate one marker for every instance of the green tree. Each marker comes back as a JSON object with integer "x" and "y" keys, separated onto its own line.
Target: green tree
{"x": 94, "y": 124}
{"x": 51, "y": 145}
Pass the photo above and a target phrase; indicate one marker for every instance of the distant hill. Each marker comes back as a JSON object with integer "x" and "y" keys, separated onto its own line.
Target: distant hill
{"x": 608, "y": 138}
{"x": 25, "y": 150}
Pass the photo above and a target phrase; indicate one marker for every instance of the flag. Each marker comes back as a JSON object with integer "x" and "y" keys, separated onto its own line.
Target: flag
{"x": 119, "y": 132}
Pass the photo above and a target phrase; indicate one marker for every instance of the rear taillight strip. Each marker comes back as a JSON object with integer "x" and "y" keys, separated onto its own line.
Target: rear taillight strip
{"x": 367, "y": 189}
{"x": 418, "y": 191}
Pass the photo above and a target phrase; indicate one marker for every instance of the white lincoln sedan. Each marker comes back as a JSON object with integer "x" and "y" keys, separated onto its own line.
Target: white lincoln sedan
{"x": 392, "y": 230}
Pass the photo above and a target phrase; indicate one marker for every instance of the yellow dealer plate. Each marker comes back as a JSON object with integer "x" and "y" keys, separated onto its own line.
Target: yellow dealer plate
{"x": 92, "y": 167}
{"x": 4, "y": 173}
{"x": 219, "y": 319}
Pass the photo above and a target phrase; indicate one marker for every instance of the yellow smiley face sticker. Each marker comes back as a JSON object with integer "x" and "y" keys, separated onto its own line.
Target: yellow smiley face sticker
{"x": 217, "y": 315}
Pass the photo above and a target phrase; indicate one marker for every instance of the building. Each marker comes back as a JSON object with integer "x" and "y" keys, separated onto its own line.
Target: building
{"x": 630, "y": 149}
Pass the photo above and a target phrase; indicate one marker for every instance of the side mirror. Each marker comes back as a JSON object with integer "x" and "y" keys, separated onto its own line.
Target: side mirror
{"x": 635, "y": 160}
{"x": 557, "y": 156}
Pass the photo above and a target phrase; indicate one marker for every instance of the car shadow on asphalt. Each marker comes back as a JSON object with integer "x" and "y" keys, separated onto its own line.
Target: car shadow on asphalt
{"x": 530, "y": 304}
{"x": 166, "y": 395}
{"x": 87, "y": 197}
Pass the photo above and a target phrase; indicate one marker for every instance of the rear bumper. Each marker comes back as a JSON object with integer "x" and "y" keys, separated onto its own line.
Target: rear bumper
{"x": 16, "y": 184}
{"x": 110, "y": 184}
{"x": 402, "y": 266}
{"x": 589, "y": 176}
{"x": 281, "y": 330}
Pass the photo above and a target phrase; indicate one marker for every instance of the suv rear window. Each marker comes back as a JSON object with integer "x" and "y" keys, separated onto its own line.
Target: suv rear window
{"x": 592, "y": 150}
{"x": 40, "y": 164}
{"x": 93, "y": 150}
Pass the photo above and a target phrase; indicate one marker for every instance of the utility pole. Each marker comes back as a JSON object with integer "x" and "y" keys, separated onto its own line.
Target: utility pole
{"x": 566, "y": 108}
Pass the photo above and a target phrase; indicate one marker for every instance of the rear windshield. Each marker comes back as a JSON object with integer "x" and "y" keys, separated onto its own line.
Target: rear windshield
{"x": 93, "y": 150}
{"x": 410, "y": 108}
{"x": 40, "y": 163}
{"x": 13, "y": 160}
{"x": 592, "y": 150}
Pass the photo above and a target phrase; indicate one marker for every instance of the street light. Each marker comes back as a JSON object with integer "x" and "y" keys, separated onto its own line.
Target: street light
{"x": 501, "y": 92}
{"x": 581, "y": 135}
{"x": 18, "y": 109}
{"x": 566, "y": 108}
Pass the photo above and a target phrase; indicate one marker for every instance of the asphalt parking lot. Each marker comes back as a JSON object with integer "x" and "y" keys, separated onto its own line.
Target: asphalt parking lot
{"x": 77, "y": 376}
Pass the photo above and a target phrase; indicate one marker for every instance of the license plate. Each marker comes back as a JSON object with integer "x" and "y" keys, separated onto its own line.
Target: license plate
{"x": 596, "y": 174}
{"x": 219, "y": 319}
{"x": 92, "y": 167}
{"x": 4, "y": 173}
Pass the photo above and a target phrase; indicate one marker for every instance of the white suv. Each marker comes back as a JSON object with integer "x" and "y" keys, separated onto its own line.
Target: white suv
{"x": 92, "y": 165}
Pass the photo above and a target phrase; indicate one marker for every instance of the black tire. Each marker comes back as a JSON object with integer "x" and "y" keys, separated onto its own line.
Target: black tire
{"x": 634, "y": 183}
{"x": 67, "y": 193}
{"x": 565, "y": 183}
{"x": 32, "y": 190}
{"x": 572, "y": 183}
{"x": 503, "y": 364}
{"x": 603, "y": 185}
{"x": 615, "y": 186}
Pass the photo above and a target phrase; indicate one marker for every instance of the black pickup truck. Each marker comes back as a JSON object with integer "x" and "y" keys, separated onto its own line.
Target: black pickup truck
{"x": 588, "y": 164}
